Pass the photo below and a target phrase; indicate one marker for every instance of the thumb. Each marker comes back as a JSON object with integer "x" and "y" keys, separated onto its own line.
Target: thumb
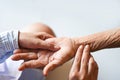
{"x": 50, "y": 66}
{"x": 44, "y": 35}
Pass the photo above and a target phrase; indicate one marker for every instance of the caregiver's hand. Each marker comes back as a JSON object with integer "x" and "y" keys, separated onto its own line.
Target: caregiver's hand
{"x": 35, "y": 41}
{"x": 84, "y": 66}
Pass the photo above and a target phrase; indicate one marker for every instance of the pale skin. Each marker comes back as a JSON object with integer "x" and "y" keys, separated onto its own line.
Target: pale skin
{"x": 69, "y": 46}
{"x": 35, "y": 40}
{"x": 29, "y": 39}
{"x": 44, "y": 62}
{"x": 101, "y": 40}
{"x": 97, "y": 41}
{"x": 41, "y": 58}
{"x": 84, "y": 66}
{"x": 36, "y": 32}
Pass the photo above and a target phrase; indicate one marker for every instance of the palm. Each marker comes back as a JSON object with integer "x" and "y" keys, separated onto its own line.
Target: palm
{"x": 41, "y": 58}
{"x": 32, "y": 58}
{"x": 66, "y": 52}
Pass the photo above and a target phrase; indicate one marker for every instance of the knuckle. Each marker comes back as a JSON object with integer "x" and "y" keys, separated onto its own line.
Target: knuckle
{"x": 37, "y": 43}
{"x": 25, "y": 65}
{"x": 78, "y": 59}
{"x": 83, "y": 62}
{"x": 41, "y": 35}
{"x": 32, "y": 56}
{"x": 28, "y": 65}
{"x": 19, "y": 56}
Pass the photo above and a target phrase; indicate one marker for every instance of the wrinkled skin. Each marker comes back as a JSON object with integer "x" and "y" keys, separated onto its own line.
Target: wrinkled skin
{"x": 55, "y": 59}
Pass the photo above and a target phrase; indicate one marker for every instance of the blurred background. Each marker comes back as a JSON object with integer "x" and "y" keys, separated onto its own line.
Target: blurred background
{"x": 70, "y": 18}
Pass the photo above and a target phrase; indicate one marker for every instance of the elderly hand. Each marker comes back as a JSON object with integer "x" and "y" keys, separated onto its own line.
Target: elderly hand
{"x": 84, "y": 66}
{"x": 48, "y": 59}
{"x": 32, "y": 58}
{"x": 53, "y": 60}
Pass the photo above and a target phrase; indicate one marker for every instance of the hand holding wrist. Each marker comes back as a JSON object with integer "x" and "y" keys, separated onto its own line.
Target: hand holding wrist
{"x": 36, "y": 41}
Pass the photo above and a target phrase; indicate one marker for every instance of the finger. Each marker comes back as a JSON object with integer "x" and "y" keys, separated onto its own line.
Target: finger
{"x": 96, "y": 74}
{"x": 49, "y": 44}
{"x": 17, "y": 51}
{"x": 24, "y": 56}
{"x": 73, "y": 75}
{"x": 50, "y": 66}
{"x": 77, "y": 60}
{"x": 92, "y": 74}
{"x": 31, "y": 64}
{"x": 44, "y": 35}
{"x": 95, "y": 71}
{"x": 84, "y": 62}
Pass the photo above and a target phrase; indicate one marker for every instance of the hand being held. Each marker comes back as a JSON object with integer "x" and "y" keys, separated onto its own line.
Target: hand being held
{"x": 32, "y": 58}
{"x": 49, "y": 59}
{"x": 66, "y": 52}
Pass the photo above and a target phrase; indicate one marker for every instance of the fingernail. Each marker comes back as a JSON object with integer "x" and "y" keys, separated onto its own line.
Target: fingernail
{"x": 87, "y": 47}
{"x": 81, "y": 46}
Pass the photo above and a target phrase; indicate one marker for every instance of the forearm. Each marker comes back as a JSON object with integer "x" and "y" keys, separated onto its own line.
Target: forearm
{"x": 101, "y": 40}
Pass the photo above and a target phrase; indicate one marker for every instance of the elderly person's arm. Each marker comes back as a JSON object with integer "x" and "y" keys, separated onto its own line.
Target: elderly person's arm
{"x": 101, "y": 40}
{"x": 68, "y": 48}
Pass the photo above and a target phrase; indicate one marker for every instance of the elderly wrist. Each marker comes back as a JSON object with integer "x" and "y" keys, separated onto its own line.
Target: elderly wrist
{"x": 87, "y": 40}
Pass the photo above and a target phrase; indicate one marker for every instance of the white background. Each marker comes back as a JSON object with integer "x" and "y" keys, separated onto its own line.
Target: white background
{"x": 69, "y": 18}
